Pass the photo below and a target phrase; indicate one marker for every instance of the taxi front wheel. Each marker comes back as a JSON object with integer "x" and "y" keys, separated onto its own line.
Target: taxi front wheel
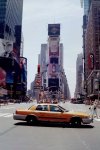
{"x": 76, "y": 122}
{"x": 31, "y": 120}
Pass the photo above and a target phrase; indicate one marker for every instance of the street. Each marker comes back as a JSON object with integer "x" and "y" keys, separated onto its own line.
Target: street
{"x": 17, "y": 135}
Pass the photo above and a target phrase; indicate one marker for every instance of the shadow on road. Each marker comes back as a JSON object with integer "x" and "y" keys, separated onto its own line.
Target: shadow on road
{"x": 56, "y": 125}
{"x": 8, "y": 130}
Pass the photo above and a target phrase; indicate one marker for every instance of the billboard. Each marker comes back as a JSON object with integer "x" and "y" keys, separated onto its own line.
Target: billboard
{"x": 53, "y": 70}
{"x": 6, "y": 48}
{"x": 54, "y": 46}
{"x": 10, "y": 77}
{"x": 2, "y": 77}
{"x": 54, "y": 60}
{"x": 23, "y": 68}
{"x": 53, "y": 84}
{"x": 53, "y": 29}
{"x": 9, "y": 49}
{"x": 38, "y": 81}
{"x": 91, "y": 61}
{"x": 11, "y": 67}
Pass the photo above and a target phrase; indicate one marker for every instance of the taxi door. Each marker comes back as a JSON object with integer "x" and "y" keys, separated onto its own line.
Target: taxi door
{"x": 56, "y": 114}
{"x": 42, "y": 112}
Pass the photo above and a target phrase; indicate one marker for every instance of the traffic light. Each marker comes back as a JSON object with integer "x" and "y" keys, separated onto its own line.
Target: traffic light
{"x": 38, "y": 69}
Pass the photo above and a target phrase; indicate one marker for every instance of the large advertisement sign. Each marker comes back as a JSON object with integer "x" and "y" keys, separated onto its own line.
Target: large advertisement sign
{"x": 9, "y": 49}
{"x": 10, "y": 76}
{"x": 54, "y": 46}
{"x": 53, "y": 29}
{"x": 53, "y": 70}
{"x": 2, "y": 77}
{"x": 6, "y": 48}
{"x": 53, "y": 84}
{"x": 23, "y": 67}
{"x": 11, "y": 69}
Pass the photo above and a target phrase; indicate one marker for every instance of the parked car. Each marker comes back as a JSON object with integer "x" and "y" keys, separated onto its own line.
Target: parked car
{"x": 51, "y": 113}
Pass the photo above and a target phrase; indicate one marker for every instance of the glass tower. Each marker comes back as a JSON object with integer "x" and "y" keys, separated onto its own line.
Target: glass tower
{"x": 86, "y": 7}
{"x": 10, "y": 43}
{"x": 10, "y": 18}
{"x": 11, "y": 23}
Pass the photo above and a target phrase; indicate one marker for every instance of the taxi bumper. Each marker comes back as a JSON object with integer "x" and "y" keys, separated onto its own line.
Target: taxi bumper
{"x": 87, "y": 120}
{"x": 19, "y": 117}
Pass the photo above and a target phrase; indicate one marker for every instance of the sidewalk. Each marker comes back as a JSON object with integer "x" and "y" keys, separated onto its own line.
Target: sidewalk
{"x": 6, "y": 104}
{"x": 98, "y": 111}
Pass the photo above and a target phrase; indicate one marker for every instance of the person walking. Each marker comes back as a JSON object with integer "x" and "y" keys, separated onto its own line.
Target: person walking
{"x": 94, "y": 109}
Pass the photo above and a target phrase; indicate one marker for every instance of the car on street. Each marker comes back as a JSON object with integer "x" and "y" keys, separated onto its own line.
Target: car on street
{"x": 51, "y": 113}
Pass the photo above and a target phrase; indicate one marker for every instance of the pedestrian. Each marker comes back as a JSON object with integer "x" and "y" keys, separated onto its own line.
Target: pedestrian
{"x": 93, "y": 109}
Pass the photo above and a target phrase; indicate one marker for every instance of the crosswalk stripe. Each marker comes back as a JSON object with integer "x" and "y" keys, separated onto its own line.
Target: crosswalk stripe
{"x": 7, "y": 107}
{"x": 7, "y": 116}
{"x": 4, "y": 114}
{"x": 97, "y": 119}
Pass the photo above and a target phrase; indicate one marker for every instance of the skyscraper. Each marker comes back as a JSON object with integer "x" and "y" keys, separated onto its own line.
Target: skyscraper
{"x": 53, "y": 56}
{"x": 86, "y": 6}
{"x": 91, "y": 49}
{"x": 10, "y": 42}
{"x": 10, "y": 25}
{"x": 79, "y": 73}
{"x": 43, "y": 64}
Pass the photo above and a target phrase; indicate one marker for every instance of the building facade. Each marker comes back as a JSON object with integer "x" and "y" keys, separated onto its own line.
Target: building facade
{"x": 79, "y": 76}
{"x": 10, "y": 41}
{"x": 11, "y": 24}
{"x": 53, "y": 57}
{"x": 92, "y": 50}
{"x": 51, "y": 73}
{"x": 43, "y": 65}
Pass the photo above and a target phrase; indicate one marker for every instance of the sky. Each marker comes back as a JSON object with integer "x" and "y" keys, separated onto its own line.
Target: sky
{"x": 37, "y": 14}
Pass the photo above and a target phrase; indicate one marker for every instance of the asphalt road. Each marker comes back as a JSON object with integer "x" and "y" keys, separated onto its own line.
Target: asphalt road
{"x": 17, "y": 135}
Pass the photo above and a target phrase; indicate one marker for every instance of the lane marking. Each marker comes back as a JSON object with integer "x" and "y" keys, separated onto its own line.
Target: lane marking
{"x": 7, "y": 116}
{"x": 97, "y": 119}
{"x": 4, "y": 114}
{"x": 7, "y": 107}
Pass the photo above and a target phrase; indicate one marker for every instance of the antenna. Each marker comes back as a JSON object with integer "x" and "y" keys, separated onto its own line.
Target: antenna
{"x": 81, "y": 1}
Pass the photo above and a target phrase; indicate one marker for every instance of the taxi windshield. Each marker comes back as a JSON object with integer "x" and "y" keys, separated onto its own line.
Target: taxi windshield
{"x": 62, "y": 108}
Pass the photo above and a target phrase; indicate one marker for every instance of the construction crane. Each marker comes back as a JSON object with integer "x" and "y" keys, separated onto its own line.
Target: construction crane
{"x": 81, "y": 1}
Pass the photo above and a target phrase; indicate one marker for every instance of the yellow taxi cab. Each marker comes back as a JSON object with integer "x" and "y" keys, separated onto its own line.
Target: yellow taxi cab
{"x": 51, "y": 113}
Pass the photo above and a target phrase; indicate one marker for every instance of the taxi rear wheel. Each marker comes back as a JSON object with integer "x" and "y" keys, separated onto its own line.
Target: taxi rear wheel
{"x": 76, "y": 122}
{"x": 31, "y": 120}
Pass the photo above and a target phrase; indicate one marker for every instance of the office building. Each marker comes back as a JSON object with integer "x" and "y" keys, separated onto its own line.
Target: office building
{"x": 10, "y": 43}
{"x": 79, "y": 74}
{"x": 92, "y": 50}
{"x": 43, "y": 64}
{"x": 11, "y": 25}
